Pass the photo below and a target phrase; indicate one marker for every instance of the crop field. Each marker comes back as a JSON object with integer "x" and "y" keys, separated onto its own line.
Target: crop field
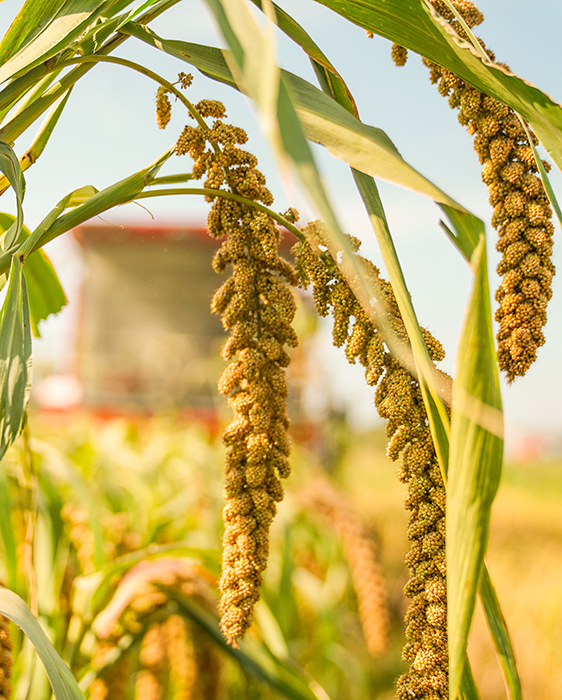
{"x": 115, "y": 495}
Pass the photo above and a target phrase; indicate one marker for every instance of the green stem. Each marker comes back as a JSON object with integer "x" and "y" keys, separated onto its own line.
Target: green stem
{"x": 144, "y": 71}
{"x": 16, "y": 126}
{"x": 226, "y": 195}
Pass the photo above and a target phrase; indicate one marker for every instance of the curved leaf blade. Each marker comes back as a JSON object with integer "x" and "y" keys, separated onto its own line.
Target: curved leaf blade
{"x": 62, "y": 681}
{"x": 279, "y": 674}
{"x": 45, "y": 293}
{"x": 15, "y": 358}
{"x": 323, "y": 120}
{"x": 432, "y": 394}
{"x": 10, "y": 166}
{"x": 42, "y": 29}
{"x": 475, "y": 462}
{"x": 417, "y": 26}
{"x": 325, "y": 71}
{"x": 500, "y": 635}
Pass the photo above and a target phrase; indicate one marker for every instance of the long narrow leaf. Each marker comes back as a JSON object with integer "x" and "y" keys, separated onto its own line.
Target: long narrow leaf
{"x": 94, "y": 203}
{"x": 323, "y": 67}
{"x": 417, "y": 26}
{"x": 475, "y": 461}
{"x": 41, "y": 139}
{"x": 279, "y": 674}
{"x": 10, "y": 167}
{"x": 500, "y": 635}
{"x": 71, "y": 200}
{"x": 45, "y": 293}
{"x": 16, "y": 126}
{"x": 469, "y": 689}
{"x": 15, "y": 358}
{"x": 61, "y": 679}
{"x": 432, "y": 393}
{"x": 42, "y": 29}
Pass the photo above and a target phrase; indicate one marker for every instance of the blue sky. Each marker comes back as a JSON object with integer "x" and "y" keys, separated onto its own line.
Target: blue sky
{"x": 108, "y": 131}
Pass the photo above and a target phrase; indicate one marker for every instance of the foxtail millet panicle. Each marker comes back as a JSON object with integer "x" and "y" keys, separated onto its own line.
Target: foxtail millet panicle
{"x": 113, "y": 682}
{"x": 257, "y": 308}
{"x": 150, "y": 683}
{"x": 163, "y": 108}
{"x": 398, "y": 399}
{"x": 522, "y": 214}
{"x": 360, "y": 551}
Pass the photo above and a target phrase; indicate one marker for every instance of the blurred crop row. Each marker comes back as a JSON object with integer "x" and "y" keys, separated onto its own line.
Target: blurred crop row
{"x": 114, "y": 541}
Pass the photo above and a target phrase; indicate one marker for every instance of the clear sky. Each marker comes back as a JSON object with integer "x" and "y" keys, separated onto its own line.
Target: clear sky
{"x": 108, "y": 131}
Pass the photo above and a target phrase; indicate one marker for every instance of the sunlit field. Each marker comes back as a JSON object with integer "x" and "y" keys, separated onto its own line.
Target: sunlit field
{"x": 121, "y": 566}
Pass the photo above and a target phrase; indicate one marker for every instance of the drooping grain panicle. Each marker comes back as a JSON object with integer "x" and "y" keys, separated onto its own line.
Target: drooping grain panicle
{"x": 194, "y": 661}
{"x": 163, "y": 104}
{"x": 76, "y": 517}
{"x": 257, "y": 308}
{"x": 150, "y": 680}
{"x": 113, "y": 681}
{"x": 398, "y": 399}
{"x": 163, "y": 108}
{"x": 522, "y": 214}
{"x": 321, "y": 497}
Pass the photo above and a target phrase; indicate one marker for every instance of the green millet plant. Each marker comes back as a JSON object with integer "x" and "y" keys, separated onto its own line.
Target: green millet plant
{"x": 522, "y": 214}
{"x": 398, "y": 400}
{"x": 257, "y": 308}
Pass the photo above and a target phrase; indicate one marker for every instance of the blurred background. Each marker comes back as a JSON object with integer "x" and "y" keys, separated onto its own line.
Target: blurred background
{"x": 124, "y": 398}
{"x": 108, "y": 130}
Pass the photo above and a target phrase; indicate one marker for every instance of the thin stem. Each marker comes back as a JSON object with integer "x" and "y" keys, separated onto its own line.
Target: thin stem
{"x": 144, "y": 71}
{"x": 18, "y": 124}
{"x": 227, "y": 195}
{"x": 29, "y": 482}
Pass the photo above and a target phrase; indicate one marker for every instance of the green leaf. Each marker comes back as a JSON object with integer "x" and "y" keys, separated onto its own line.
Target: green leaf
{"x": 73, "y": 199}
{"x": 44, "y": 134}
{"x": 545, "y": 179}
{"x": 208, "y": 59}
{"x": 469, "y": 690}
{"x": 325, "y": 71}
{"x": 88, "y": 202}
{"x": 7, "y": 530}
{"x": 467, "y": 230}
{"x": 45, "y": 293}
{"x": 363, "y": 147}
{"x": 283, "y": 676}
{"x": 61, "y": 679}
{"x": 95, "y": 37}
{"x": 323, "y": 121}
{"x": 500, "y": 635}
{"x": 9, "y": 165}
{"x": 43, "y": 29}
{"x": 416, "y": 26}
{"x": 19, "y": 86}
{"x": 475, "y": 461}
{"x": 423, "y": 366}
{"x": 15, "y": 358}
